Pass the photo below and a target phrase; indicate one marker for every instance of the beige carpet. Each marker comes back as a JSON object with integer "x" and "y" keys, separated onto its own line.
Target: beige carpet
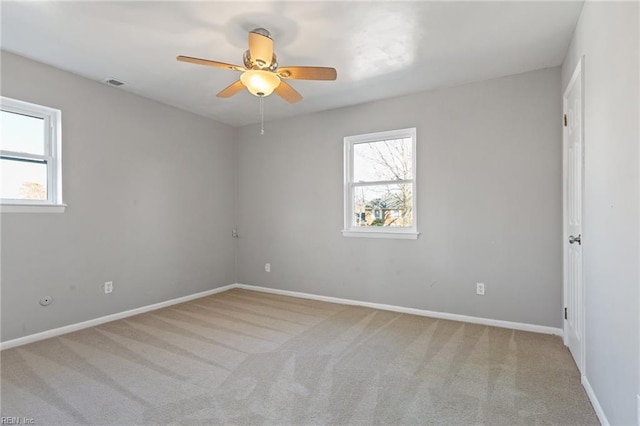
{"x": 249, "y": 358}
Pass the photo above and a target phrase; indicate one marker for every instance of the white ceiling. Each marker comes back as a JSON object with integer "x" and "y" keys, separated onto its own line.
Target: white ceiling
{"x": 380, "y": 49}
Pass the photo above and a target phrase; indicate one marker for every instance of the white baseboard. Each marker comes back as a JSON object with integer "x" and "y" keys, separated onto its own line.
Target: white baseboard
{"x": 97, "y": 321}
{"x": 433, "y": 314}
{"x": 594, "y": 401}
{"x": 421, "y": 312}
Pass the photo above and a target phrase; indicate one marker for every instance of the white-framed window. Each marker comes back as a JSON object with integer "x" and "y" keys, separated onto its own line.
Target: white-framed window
{"x": 30, "y": 157}
{"x": 380, "y": 185}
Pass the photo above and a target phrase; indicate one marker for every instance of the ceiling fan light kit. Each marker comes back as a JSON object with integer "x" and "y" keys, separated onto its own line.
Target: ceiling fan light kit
{"x": 259, "y": 82}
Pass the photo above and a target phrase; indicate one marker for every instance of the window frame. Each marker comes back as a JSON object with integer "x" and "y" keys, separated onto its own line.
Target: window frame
{"x": 52, "y": 157}
{"x": 350, "y": 230}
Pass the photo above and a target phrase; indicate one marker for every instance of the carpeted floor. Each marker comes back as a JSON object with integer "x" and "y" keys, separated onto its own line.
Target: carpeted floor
{"x": 249, "y": 358}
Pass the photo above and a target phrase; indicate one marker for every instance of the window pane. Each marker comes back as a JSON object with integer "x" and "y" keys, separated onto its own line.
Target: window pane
{"x": 21, "y": 133}
{"x": 383, "y": 205}
{"x": 23, "y": 180}
{"x": 383, "y": 160}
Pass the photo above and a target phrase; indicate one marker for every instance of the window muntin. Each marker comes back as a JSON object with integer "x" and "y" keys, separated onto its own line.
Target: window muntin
{"x": 30, "y": 164}
{"x": 380, "y": 184}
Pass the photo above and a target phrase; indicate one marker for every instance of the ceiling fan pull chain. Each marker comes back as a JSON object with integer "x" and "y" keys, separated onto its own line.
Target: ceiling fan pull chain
{"x": 261, "y": 115}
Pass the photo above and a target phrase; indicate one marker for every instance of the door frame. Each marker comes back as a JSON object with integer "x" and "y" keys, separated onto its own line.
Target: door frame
{"x": 578, "y": 71}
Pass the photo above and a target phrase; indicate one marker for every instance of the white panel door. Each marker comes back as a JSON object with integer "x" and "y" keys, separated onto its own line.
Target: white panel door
{"x": 573, "y": 178}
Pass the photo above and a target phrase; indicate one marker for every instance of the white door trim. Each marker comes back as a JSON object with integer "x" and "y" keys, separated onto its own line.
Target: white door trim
{"x": 579, "y": 71}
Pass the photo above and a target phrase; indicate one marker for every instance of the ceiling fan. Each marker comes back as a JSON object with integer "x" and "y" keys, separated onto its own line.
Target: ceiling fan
{"x": 261, "y": 74}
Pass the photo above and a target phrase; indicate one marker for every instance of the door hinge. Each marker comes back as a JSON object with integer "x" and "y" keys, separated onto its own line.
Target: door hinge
{"x": 565, "y": 120}
{"x": 565, "y": 313}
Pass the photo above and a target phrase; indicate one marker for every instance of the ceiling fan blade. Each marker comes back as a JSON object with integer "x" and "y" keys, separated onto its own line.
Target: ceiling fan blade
{"x": 288, "y": 93}
{"x": 260, "y": 49}
{"x": 232, "y": 89}
{"x": 308, "y": 73}
{"x": 210, "y": 63}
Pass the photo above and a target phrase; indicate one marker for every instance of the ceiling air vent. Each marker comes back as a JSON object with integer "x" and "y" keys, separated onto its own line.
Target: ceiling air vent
{"x": 112, "y": 82}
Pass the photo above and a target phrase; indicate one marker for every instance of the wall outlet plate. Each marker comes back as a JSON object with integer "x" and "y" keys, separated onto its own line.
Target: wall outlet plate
{"x": 108, "y": 287}
{"x": 267, "y": 267}
{"x": 480, "y": 289}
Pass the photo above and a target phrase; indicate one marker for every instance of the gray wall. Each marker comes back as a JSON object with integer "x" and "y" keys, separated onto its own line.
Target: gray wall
{"x": 150, "y": 193}
{"x": 489, "y": 191}
{"x": 607, "y": 34}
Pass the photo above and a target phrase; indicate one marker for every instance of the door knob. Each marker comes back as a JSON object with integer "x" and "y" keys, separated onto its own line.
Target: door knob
{"x": 577, "y": 239}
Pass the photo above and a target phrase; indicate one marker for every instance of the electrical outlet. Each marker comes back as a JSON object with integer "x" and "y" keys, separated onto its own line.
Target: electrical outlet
{"x": 480, "y": 289}
{"x": 267, "y": 267}
{"x": 108, "y": 287}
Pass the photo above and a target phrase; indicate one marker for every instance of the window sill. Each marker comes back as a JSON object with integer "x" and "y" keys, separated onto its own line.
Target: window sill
{"x": 400, "y": 235}
{"x": 32, "y": 208}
